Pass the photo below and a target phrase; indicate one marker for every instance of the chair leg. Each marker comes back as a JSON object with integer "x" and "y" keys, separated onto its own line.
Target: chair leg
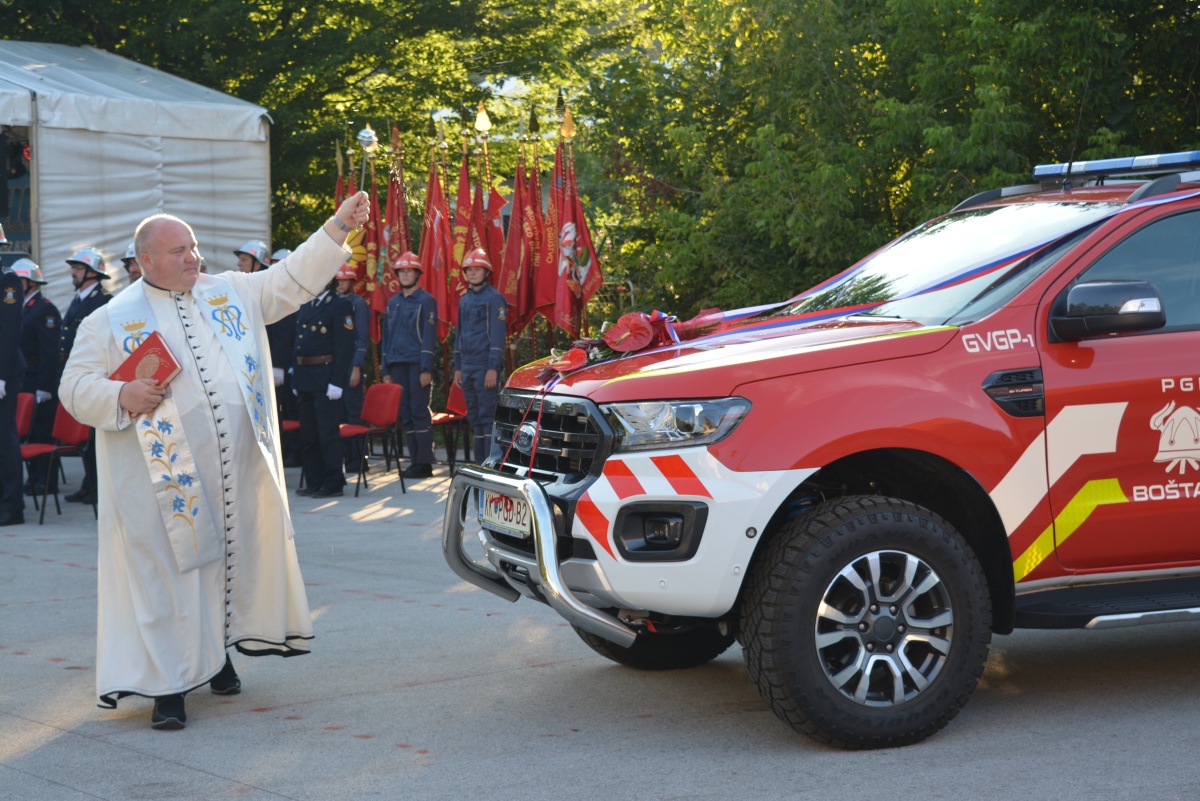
{"x": 398, "y": 441}
{"x": 361, "y": 479}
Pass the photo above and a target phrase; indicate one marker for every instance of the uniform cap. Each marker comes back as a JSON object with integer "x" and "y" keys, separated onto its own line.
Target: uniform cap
{"x": 256, "y": 250}
{"x": 26, "y": 268}
{"x": 130, "y": 254}
{"x": 407, "y": 261}
{"x": 347, "y": 273}
{"x": 477, "y": 258}
{"x": 90, "y": 258}
{"x": 280, "y": 254}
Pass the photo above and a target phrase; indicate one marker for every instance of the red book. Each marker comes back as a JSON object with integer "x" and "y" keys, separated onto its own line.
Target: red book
{"x": 151, "y": 359}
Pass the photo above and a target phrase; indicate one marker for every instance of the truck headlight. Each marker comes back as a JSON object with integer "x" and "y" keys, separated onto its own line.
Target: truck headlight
{"x": 647, "y": 425}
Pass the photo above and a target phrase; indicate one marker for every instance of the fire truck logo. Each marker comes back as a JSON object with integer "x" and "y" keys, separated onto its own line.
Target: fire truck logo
{"x": 1179, "y": 444}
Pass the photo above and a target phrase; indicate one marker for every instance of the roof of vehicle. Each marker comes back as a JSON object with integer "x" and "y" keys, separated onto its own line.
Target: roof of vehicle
{"x": 1102, "y": 181}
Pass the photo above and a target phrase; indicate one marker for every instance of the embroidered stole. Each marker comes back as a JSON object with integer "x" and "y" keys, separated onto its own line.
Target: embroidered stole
{"x": 195, "y": 534}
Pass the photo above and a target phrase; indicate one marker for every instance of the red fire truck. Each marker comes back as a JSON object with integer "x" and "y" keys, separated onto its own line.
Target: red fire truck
{"x": 991, "y": 422}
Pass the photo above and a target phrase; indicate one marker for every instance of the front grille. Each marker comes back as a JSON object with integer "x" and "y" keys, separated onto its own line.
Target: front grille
{"x": 569, "y": 437}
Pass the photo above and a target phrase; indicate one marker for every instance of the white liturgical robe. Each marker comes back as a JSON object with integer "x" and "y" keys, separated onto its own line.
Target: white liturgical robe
{"x": 162, "y": 631}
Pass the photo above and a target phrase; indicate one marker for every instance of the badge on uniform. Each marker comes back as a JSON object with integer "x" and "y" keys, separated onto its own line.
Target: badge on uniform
{"x": 349, "y": 322}
{"x": 51, "y": 322}
{"x": 10, "y": 296}
{"x": 503, "y": 310}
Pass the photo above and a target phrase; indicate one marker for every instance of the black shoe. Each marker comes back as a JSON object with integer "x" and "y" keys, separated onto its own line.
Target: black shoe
{"x": 226, "y": 682}
{"x": 305, "y": 491}
{"x": 83, "y": 496}
{"x": 12, "y": 518}
{"x": 168, "y": 713}
{"x": 328, "y": 492}
{"x": 416, "y": 470}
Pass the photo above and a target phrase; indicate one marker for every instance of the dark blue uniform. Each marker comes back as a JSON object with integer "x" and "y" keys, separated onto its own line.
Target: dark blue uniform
{"x": 352, "y": 398}
{"x": 41, "y": 327}
{"x": 479, "y": 347}
{"x": 281, "y": 339}
{"x": 324, "y": 349}
{"x": 406, "y": 350}
{"x": 79, "y": 309}
{"x": 12, "y": 373}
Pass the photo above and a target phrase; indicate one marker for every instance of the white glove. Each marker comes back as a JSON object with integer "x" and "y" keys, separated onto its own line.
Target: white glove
{"x": 277, "y": 372}
{"x": 2, "y": 391}
{"x": 43, "y": 396}
{"x": 333, "y": 393}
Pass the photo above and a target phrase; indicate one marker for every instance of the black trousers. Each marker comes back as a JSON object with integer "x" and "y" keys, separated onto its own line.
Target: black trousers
{"x": 12, "y": 496}
{"x": 320, "y": 442}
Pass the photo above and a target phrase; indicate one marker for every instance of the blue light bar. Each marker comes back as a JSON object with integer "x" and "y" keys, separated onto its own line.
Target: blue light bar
{"x": 1133, "y": 165}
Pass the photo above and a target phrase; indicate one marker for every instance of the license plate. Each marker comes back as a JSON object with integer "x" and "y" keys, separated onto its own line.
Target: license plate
{"x": 503, "y": 511}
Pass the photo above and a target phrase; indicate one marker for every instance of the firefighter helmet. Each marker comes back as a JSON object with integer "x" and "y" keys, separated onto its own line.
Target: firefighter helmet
{"x": 347, "y": 272}
{"x": 280, "y": 255}
{"x": 407, "y": 261}
{"x": 256, "y": 250}
{"x": 130, "y": 254}
{"x": 26, "y": 268}
{"x": 477, "y": 258}
{"x": 91, "y": 259}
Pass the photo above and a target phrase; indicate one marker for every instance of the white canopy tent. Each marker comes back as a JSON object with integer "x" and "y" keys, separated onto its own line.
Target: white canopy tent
{"x": 113, "y": 141}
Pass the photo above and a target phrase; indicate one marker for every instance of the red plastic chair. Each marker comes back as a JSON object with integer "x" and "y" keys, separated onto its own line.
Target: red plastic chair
{"x": 380, "y": 413}
{"x": 25, "y": 407}
{"x": 70, "y": 436}
{"x": 451, "y": 421}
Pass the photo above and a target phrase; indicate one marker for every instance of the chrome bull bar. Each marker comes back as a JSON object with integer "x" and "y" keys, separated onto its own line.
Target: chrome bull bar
{"x": 549, "y": 577}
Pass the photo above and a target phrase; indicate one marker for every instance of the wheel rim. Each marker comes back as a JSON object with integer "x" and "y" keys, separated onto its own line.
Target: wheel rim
{"x": 884, "y": 628}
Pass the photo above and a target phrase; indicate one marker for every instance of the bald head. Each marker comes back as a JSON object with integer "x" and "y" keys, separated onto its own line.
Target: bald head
{"x": 168, "y": 253}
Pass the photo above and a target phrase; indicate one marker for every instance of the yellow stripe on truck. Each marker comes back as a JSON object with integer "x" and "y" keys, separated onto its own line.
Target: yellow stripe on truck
{"x": 1092, "y": 494}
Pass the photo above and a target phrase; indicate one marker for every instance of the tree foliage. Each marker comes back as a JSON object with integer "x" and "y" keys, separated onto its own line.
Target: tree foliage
{"x": 729, "y": 152}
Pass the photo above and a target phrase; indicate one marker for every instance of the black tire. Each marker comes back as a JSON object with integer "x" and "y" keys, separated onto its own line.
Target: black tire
{"x": 670, "y": 650}
{"x": 862, "y": 663}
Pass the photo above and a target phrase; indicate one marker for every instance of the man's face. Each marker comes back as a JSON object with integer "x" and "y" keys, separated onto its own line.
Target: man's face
{"x": 408, "y": 277}
{"x": 345, "y": 286}
{"x": 246, "y": 263}
{"x": 135, "y": 269}
{"x": 29, "y": 286}
{"x": 476, "y": 276}
{"x": 172, "y": 257}
{"x": 81, "y": 275}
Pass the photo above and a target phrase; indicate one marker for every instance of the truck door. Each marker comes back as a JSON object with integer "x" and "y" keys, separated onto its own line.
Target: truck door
{"x": 1123, "y": 412}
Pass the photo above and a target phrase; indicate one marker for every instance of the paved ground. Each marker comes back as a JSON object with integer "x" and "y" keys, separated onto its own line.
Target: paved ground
{"x": 423, "y": 687}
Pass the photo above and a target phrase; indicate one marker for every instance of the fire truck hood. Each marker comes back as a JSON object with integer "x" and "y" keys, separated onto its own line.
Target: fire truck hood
{"x": 716, "y": 366}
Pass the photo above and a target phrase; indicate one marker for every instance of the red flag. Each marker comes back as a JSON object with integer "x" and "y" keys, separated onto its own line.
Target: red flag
{"x": 578, "y": 269}
{"x": 461, "y": 243}
{"x": 509, "y": 275}
{"x": 394, "y": 240}
{"x": 437, "y": 249}
{"x": 366, "y": 245}
{"x": 546, "y": 292}
{"x": 531, "y": 243}
{"x": 494, "y": 228}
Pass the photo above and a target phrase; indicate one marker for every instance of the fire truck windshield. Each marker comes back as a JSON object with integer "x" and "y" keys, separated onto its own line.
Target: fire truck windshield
{"x": 930, "y": 274}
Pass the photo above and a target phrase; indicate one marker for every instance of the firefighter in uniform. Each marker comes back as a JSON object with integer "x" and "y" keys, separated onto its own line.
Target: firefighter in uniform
{"x": 12, "y": 372}
{"x": 324, "y": 349}
{"x": 129, "y": 260}
{"x": 352, "y": 398}
{"x": 87, "y": 271}
{"x": 40, "y": 327}
{"x": 479, "y": 348}
{"x": 253, "y": 256}
{"x": 408, "y": 335}
{"x": 281, "y": 340}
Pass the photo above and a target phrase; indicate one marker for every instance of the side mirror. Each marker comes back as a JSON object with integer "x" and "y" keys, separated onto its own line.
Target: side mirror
{"x": 1099, "y": 308}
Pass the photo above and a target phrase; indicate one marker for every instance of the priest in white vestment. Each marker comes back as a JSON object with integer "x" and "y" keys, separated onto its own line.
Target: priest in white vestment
{"x": 195, "y": 538}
